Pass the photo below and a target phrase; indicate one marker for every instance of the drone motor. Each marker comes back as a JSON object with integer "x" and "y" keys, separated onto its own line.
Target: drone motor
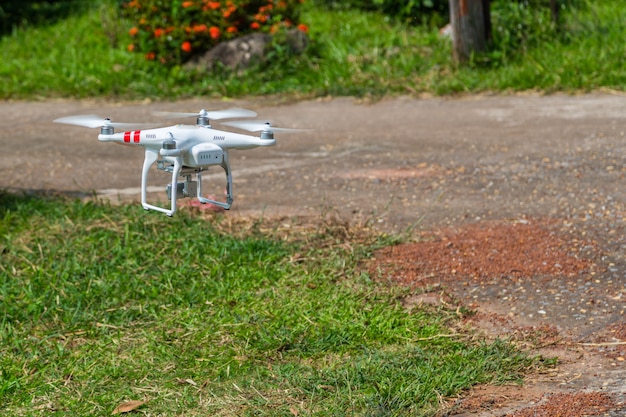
{"x": 107, "y": 129}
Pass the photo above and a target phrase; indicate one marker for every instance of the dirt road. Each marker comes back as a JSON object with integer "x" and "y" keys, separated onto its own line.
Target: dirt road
{"x": 435, "y": 166}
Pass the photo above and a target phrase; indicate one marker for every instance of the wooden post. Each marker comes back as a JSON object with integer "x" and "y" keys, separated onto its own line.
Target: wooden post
{"x": 469, "y": 28}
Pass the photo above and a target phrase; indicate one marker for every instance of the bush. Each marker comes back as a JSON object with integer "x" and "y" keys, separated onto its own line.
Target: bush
{"x": 173, "y": 31}
{"x": 520, "y": 25}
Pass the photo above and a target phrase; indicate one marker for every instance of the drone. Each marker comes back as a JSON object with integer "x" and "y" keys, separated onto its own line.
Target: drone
{"x": 185, "y": 150}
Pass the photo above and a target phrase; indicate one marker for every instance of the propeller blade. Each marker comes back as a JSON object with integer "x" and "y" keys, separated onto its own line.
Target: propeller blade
{"x": 94, "y": 121}
{"x": 233, "y": 113}
{"x": 255, "y": 126}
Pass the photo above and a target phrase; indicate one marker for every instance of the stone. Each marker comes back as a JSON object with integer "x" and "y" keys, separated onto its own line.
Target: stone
{"x": 242, "y": 52}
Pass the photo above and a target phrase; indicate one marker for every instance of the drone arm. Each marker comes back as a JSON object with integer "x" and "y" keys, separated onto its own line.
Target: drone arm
{"x": 229, "y": 187}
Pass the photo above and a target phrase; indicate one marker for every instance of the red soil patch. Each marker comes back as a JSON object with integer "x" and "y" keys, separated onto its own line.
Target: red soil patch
{"x": 612, "y": 342}
{"x": 570, "y": 405}
{"x": 485, "y": 250}
{"x": 491, "y": 399}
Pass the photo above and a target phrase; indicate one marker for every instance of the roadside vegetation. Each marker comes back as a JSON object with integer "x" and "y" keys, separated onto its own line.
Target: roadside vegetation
{"x": 196, "y": 316}
{"x": 351, "y": 52}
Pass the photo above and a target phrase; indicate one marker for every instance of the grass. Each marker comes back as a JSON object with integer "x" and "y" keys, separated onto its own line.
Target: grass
{"x": 197, "y": 316}
{"x": 351, "y": 53}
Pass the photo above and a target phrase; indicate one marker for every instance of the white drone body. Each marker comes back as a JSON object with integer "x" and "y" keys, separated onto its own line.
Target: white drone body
{"x": 185, "y": 150}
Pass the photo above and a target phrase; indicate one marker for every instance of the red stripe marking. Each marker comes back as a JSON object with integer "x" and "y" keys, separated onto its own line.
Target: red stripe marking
{"x": 127, "y": 137}
{"x": 136, "y": 136}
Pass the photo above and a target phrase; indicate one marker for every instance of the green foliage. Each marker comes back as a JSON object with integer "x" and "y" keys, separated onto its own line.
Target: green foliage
{"x": 351, "y": 52}
{"x": 518, "y": 26}
{"x": 172, "y": 31}
{"x": 103, "y": 304}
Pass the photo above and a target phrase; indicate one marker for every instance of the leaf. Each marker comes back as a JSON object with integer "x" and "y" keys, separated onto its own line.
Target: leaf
{"x": 127, "y": 406}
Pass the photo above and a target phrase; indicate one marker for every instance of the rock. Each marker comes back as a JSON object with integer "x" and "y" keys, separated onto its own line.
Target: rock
{"x": 446, "y": 32}
{"x": 241, "y": 53}
{"x": 297, "y": 41}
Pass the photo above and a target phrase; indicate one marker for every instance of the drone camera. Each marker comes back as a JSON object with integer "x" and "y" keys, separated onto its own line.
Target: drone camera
{"x": 183, "y": 189}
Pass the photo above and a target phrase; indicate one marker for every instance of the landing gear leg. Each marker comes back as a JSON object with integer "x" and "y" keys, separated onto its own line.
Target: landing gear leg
{"x": 151, "y": 157}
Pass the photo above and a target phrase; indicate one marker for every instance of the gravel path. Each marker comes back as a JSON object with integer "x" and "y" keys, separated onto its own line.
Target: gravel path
{"x": 463, "y": 174}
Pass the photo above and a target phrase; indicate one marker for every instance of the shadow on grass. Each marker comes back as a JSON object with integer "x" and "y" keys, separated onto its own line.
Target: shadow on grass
{"x": 34, "y": 199}
{"x": 20, "y": 13}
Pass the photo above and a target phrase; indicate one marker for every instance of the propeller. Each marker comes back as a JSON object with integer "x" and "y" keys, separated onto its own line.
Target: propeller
{"x": 215, "y": 115}
{"x": 255, "y": 126}
{"x": 94, "y": 121}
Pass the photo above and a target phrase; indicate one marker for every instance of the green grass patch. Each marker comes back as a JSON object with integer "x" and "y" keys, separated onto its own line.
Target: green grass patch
{"x": 101, "y": 305}
{"x": 351, "y": 52}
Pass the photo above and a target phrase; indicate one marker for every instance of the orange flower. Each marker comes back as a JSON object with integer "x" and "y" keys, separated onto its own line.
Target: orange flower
{"x": 200, "y": 28}
{"x": 133, "y": 31}
{"x": 158, "y": 32}
{"x": 131, "y": 47}
{"x": 186, "y": 46}
{"x": 303, "y": 28}
{"x": 255, "y": 25}
{"x": 231, "y": 29}
{"x": 231, "y": 8}
{"x": 150, "y": 56}
{"x": 213, "y": 5}
{"x": 214, "y": 32}
{"x": 188, "y": 4}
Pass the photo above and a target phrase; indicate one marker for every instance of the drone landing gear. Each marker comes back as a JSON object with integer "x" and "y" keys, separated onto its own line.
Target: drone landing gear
{"x": 188, "y": 188}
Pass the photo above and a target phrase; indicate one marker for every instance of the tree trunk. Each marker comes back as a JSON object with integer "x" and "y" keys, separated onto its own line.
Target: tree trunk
{"x": 470, "y": 27}
{"x": 487, "y": 19}
{"x": 554, "y": 9}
